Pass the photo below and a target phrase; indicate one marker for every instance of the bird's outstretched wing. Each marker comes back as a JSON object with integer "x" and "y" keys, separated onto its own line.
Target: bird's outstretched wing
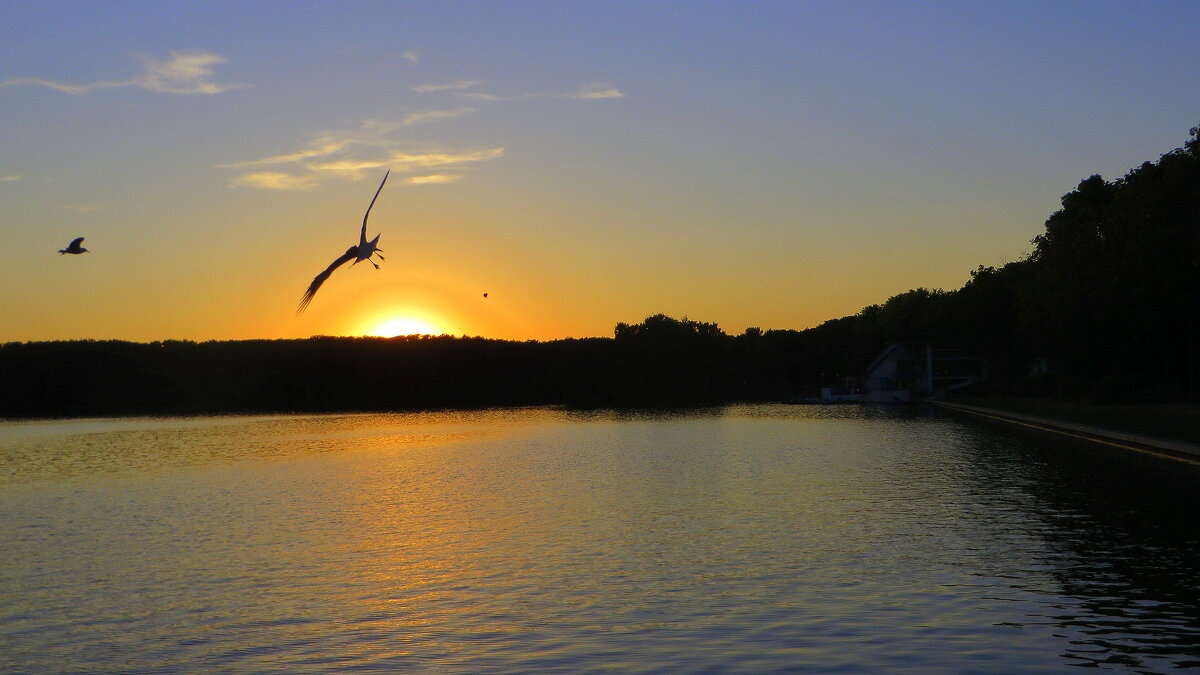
{"x": 350, "y": 254}
{"x": 362, "y": 236}
{"x": 73, "y": 247}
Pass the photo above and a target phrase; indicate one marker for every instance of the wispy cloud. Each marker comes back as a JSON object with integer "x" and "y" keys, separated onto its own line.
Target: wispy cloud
{"x": 369, "y": 134}
{"x": 412, "y": 56}
{"x": 448, "y": 86}
{"x": 274, "y": 180}
{"x": 319, "y": 148}
{"x": 481, "y": 96}
{"x": 12, "y": 177}
{"x": 183, "y": 73}
{"x": 407, "y": 161}
{"x": 351, "y": 167}
{"x": 433, "y": 116}
{"x": 595, "y": 90}
{"x": 350, "y": 153}
{"x": 401, "y": 162}
{"x": 432, "y": 179}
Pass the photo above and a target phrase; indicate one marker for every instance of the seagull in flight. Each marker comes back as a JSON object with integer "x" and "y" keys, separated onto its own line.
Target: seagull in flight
{"x": 358, "y": 253}
{"x": 75, "y": 247}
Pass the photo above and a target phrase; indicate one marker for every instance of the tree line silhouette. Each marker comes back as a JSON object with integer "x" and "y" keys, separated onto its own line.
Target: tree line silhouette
{"x": 1106, "y": 307}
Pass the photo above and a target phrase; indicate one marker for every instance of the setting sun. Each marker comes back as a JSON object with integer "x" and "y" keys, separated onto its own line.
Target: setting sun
{"x": 402, "y": 326}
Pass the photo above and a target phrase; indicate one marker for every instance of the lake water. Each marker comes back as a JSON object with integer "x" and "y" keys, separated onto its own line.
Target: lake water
{"x": 752, "y": 539}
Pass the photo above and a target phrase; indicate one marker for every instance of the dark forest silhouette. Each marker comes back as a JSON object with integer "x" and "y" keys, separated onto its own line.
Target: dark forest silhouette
{"x": 1108, "y": 305}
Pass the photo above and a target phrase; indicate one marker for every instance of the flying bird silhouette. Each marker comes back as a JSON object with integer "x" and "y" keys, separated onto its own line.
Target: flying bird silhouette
{"x": 75, "y": 247}
{"x": 358, "y": 253}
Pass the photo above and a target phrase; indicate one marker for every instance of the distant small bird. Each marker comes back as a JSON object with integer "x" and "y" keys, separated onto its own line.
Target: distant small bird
{"x": 485, "y": 295}
{"x": 75, "y": 247}
{"x": 362, "y": 251}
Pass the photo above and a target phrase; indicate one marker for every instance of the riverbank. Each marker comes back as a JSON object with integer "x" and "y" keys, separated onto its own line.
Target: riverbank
{"x": 1169, "y": 430}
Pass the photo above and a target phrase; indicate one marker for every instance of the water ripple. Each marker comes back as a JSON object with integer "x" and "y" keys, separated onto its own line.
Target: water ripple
{"x": 742, "y": 540}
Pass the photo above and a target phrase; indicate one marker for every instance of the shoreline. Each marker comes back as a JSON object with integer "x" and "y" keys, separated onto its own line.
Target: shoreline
{"x": 1163, "y": 447}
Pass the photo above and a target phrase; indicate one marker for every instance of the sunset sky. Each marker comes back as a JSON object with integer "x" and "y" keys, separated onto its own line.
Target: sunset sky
{"x": 771, "y": 164}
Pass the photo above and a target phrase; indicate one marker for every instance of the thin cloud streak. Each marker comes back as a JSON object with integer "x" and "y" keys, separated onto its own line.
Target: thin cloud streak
{"x": 594, "y": 91}
{"x": 480, "y": 96}
{"x": 184, "y": 73}
{"x": 432, "y": 179}
{"x": 65, "y": 88}
{"x": 345, "y": 166}
{"x": 449, "y": 86}
{"x": 11, "y": 178}
{"x": 274, "y": 180}
{"x": 318, "y": 150}
{"x": 434, "y": 115}
{"x": 370, "y": 133}
{"x": 431, "y": 159}
{"x": 401, "y": 161}
{"x": 350, "y": 153}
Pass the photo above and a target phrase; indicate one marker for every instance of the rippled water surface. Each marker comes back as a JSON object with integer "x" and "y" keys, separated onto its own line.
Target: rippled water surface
{"x": 745, "y": 539}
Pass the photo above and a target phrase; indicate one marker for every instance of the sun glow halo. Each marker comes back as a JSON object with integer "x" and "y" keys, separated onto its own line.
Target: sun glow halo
{"x": 408, "y": 325}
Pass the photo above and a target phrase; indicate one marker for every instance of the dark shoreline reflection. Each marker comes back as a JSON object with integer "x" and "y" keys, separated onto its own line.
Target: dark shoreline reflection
{"x": 1121, "y": 539}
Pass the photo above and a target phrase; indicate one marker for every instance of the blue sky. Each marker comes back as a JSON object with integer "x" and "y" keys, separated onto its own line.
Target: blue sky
{"x": 770, "y": 164}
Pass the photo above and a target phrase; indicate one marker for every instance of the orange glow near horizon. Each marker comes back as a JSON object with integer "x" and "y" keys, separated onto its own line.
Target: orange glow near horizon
{"x": 393, "y": 326}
